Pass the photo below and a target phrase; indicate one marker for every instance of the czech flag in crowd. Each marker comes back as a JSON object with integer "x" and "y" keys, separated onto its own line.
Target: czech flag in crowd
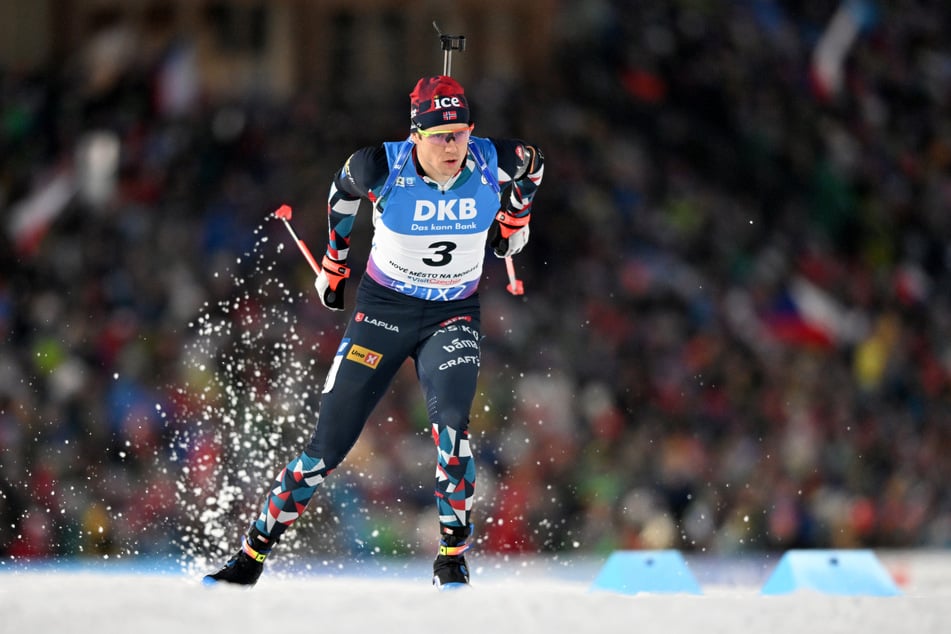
{"x": 804, "y": 314}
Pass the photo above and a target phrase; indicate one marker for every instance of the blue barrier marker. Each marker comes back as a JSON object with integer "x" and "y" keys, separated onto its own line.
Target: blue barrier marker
{"x": 636, "y": 571}
{"x": 843, "y": 572}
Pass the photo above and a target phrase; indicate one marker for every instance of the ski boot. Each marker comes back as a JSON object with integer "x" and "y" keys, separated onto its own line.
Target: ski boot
{"x": 450, "y": 571}
{"x": 246, "y": 565}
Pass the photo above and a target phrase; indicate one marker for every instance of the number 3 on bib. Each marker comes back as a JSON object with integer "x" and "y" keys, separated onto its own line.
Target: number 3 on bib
{"x": 443, "y": 250}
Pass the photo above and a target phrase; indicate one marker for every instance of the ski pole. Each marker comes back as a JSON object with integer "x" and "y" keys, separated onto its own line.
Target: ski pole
{"x": 515, "y": 286}
{"x": 449, "y": 44}
{"x": 284, "y": 212}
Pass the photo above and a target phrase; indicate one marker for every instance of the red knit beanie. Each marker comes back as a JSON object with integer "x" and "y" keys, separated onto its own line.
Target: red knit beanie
{"x": 437, "y": 101}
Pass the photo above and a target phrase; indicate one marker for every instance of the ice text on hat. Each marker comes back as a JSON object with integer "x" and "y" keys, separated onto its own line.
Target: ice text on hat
{"x": 447, "y": 102}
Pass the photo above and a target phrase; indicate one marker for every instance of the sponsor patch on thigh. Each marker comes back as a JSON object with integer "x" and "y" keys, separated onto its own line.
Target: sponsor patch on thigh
{"x": 364, "y": 356}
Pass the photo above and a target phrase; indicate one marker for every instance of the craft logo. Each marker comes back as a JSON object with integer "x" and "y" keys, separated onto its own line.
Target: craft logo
{"x": 364, "y": 356}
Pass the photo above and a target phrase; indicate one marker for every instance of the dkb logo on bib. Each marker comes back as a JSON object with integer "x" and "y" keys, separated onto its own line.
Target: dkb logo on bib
{"x": 445, "y": 210}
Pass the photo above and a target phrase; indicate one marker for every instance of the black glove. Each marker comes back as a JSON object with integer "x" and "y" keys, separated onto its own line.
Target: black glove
{"x": 509, "y": 234}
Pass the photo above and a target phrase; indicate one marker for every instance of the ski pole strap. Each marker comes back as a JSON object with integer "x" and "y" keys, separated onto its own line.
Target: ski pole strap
{"x": 513, "y": 221}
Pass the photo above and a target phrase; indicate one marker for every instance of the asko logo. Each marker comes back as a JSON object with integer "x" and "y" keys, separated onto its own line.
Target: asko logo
{"x": 446, "y": 102}
{"x": 445, "y": 209}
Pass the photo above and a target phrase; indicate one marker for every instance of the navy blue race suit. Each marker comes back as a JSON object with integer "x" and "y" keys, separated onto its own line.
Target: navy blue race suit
{"x": 419, "y": 301}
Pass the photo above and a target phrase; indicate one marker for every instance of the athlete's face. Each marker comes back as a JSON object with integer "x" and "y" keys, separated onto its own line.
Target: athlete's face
{"x": 442, "y": 150}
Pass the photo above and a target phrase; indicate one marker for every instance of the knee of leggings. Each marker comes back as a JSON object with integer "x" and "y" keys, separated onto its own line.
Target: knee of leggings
{"x": 450, "y": 440}
{"x": 452, "y": 419}
{"x": 311, "y": 463}
{"x": 331, "y": 459}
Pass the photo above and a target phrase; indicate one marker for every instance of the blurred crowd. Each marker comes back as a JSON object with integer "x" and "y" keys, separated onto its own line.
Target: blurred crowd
{"x": 736, "y": 332}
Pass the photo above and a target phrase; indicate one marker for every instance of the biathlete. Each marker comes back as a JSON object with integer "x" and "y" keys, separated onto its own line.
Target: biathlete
{"x": 438, "y": 198}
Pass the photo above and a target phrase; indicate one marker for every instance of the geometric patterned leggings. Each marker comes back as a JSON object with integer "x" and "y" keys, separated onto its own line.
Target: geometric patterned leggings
{"x": 298, "y": 481}
{"x": 386, "y": 329}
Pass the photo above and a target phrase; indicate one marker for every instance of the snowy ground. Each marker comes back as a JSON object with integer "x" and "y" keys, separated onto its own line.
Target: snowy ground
{"x": 507, "y": 596}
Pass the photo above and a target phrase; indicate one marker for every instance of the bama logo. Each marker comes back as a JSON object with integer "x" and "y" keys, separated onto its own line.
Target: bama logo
{"x": 445, "y": 209}
{"x": 364, "y": 356}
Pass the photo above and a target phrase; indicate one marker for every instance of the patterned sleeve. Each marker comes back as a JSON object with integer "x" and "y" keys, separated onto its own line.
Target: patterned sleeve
{"x": 521, "y": 167}
{"x": 365, "y": 169}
